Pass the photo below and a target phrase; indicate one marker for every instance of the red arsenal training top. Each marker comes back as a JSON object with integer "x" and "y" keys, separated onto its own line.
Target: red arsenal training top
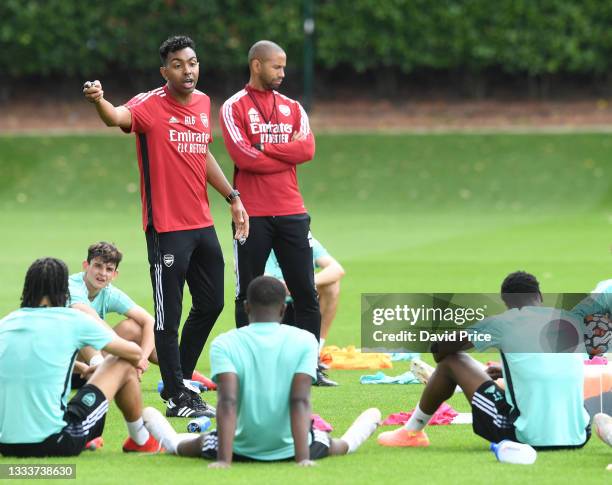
{"x": 172, "y": 141}
{"x": 267, "y": 181}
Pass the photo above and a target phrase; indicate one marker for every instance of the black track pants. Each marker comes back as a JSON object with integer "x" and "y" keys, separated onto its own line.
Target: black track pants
{"x": 175, "y": 257}
{"x": 290, "y": 238}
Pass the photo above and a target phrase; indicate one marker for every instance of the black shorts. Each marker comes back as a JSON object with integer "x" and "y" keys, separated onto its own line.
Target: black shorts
{"x": 85, "y": 418}
{"x": 491, "y": 414}
{"x": 492, "y": 421}
{"x": 319, "y": 447}
{"x": 76, "y": 381}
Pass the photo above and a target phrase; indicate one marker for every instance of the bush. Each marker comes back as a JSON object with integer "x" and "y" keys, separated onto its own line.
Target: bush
{"x": 44, "y": 37}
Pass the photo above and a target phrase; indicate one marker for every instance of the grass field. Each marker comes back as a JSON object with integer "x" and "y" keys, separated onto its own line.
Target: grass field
{"x": 403, "y": 213}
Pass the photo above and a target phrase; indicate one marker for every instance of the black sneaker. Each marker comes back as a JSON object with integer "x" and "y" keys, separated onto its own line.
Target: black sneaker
{"x": 186, "y": 406}
{"x": 323, "y": 380}
{"x": 197, "y": 402}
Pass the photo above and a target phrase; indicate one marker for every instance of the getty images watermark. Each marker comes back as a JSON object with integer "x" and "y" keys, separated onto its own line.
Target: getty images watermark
{"x": 412, "y": 322}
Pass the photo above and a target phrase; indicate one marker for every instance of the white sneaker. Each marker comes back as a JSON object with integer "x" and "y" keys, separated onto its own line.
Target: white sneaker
{"x": 421, "y": 370}
{"x": 603, "y": 427}
{"x": 160, "y": 428}
{"x": 362, "y": 428}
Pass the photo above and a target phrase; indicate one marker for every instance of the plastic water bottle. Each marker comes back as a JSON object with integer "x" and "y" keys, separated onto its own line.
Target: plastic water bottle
{"x": 195, "y": 384}
{"x": 508, "y": 451}
{"x": 199, "y": 425}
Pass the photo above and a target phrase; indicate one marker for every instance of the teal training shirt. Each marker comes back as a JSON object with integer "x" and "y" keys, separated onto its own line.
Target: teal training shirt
{"x": 548, "y": 387}
{"x": 38, "y": 347}
{"x": 109, "y": 300}
{"x": 265, "y": 357}
{"x": 273, "y": 268}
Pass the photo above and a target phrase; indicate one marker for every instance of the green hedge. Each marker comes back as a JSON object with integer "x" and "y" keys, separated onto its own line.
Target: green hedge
{"x": 43, "y": 37}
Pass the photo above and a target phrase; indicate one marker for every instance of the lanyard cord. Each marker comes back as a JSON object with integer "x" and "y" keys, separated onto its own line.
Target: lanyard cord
{"x": 260, "y": 111}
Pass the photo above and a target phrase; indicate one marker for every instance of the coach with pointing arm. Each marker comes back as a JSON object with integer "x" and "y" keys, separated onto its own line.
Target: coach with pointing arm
{"x": 172, "y": 127}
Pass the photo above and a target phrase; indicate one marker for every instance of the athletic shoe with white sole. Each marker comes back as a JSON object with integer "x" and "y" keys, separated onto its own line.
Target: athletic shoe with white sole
{"x": 188, "y": 405}
{"x": 401, "y": 437}
{"x": 603, "y": 427}
{"x": 201, "y": 405}
{"x": 151, "y": 446}
{"x": 421, "y": 370}
{"x": 323, "y": 380}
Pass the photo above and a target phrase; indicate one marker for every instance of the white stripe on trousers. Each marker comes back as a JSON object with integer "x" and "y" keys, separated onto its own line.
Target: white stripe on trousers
{"x": 159, "y": 291}
{"x": 236, "y": 270}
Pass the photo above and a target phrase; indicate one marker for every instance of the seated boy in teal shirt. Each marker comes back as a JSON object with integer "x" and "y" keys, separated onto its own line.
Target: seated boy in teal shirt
{"x": 264, "y": 372}
{"x": 543, "y": 403}
{"x": 92, "y": 292}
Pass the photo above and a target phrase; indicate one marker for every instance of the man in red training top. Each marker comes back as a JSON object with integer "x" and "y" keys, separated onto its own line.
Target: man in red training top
{"x": 267, "y": 135}
{"x": 173, "y": 131}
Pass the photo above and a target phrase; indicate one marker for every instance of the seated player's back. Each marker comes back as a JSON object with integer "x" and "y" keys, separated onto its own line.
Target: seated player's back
{"x": 545, "y": 388}
{"x": 548, "y": 390}
{"x": 38, "y": 347}
{"x": 265, "y": 357}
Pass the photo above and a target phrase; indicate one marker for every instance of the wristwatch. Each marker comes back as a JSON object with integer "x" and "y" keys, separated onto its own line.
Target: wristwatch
{"x": 232, "y": 195}
{"x": 259, "y": 146}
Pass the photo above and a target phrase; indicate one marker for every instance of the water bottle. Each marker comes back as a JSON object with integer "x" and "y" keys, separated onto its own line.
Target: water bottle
{"x": 194, "y": 384}
{"x": 199, "y": 425}
{"x": 508, "y": 451}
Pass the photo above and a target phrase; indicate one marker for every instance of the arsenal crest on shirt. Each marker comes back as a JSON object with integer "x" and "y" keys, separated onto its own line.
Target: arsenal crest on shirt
{"x": 204, "y": 119}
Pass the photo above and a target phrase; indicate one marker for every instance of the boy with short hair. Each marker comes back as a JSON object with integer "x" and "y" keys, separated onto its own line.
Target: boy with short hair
{"x": 543, "y": 403}
{"x": 263, "y": 416}
{"x": 92, "y": 292}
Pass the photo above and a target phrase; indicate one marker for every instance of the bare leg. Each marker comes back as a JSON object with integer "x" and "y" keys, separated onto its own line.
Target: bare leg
{"x": 129, "y": 398}
{"x": 130, "y": 330}
{"x": 328, "y": 303}
{"x": 338, "y": 447}
{"x": 191, "y": 447}
{"x": 456, "y": 369}
{"x": 116, "y": 378}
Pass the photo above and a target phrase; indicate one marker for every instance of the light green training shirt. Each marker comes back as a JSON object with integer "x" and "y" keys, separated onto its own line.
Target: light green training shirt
{"x": 265, "y": 357}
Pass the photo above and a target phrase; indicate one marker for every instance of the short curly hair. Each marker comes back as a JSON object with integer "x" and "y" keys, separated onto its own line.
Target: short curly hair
{"x": 517, "y": 287}
{"x": 266, "y": 292}
{"x": 106, "y": 251}
{"x": 173, "y": 44}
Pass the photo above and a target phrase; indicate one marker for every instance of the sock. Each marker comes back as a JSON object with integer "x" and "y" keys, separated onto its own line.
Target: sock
{"x": 418, "y": 420}
{"x": 321, "y": 344}
{"x": 137, "y": 431}
{"x": 361, "y": 429}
